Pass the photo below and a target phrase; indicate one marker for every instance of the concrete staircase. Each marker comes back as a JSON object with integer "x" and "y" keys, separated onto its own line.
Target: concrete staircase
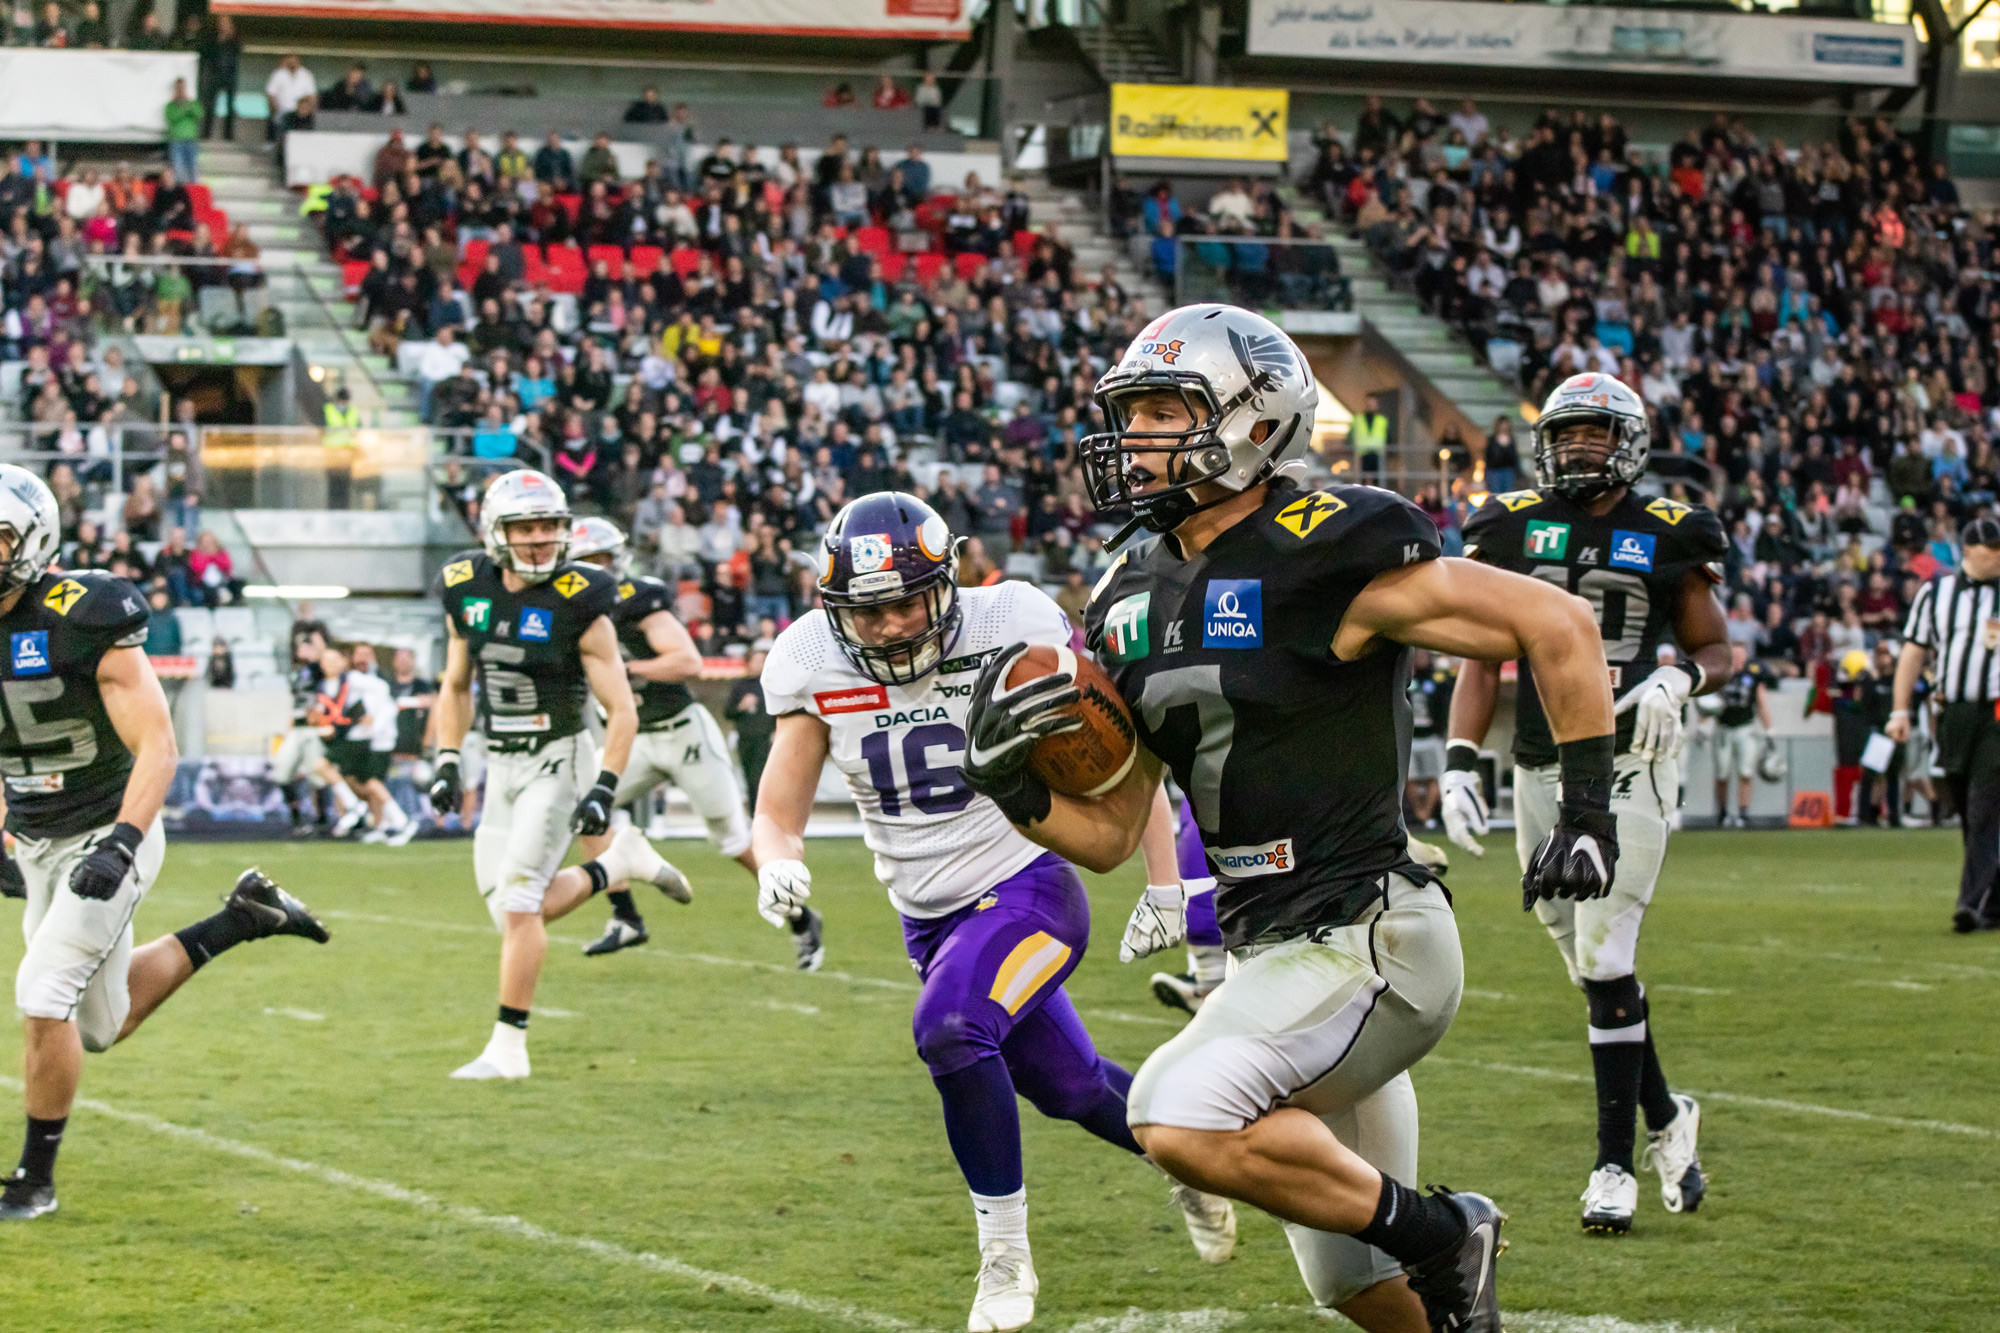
{"x": 1080, "y": 225}
{"x": 305, "y": 285}
{"x": 1127, "y": 53}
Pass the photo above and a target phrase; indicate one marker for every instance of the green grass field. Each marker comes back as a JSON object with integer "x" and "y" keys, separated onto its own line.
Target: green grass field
{"x": 712, "y": 1142}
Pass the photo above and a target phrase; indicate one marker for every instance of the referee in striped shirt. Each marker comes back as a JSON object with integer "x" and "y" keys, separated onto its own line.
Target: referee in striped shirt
{"x": 1956, "y": 620}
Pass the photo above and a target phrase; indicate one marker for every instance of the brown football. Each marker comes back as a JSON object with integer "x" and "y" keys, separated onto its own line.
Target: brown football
{"x": 1095, "y": 757}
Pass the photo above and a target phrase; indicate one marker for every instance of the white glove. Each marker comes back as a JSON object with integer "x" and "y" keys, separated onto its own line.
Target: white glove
{"x": 1158, "y": 922}
{"x": 1656, "y": 703}
{"x": 782, "y": 890}
{"x": 1464, "y": 809}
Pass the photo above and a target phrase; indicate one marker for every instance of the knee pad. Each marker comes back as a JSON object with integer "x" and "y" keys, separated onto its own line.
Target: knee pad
{"x": 950, "y": 1039}
{"x": 1617, "y": 1009}
{"x": 730, "y": 834}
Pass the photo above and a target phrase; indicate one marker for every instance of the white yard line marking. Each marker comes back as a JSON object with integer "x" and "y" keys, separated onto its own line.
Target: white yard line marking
{"x": 1474, "y": 993}
{"x": 1670, "y": 988}
{"x": 1143, "y": 1020}
{"x": 781, "y": 1007}
{"x": 1548, "y": 1321}
{"x": 1739, "y": 1099}
{"x": 1135, "y": 1320}
{"x": 1893, "y": 983}
{"x": 303, "y": 1015}
{"x": 518, "y": 1228}
{"x": 1771, "y": 948}
{"x": 548, "y": 1011}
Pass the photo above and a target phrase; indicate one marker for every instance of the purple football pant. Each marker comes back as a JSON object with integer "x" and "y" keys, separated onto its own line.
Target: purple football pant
{"x": 993, "y": 1020}
{"x": 1201, "y": 926}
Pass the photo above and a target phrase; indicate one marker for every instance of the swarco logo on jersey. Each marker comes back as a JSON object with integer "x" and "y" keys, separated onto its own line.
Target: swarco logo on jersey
{"x": 477, "y": 612}
{"x": 1546, "y": 541}
{"x": 1270, "y": 858}
{"x": 859, "y": 699}
{"x": 1632, "y": 550}
{"x": 1127, "y": 635}
{"x": 1233, "y": 614}
{"x": 30, "y": 655}
{"x": 536, "y": 624}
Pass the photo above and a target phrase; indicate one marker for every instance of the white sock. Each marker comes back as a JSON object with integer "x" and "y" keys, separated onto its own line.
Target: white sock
{"x": 506, "y": 1038}
{"x": 1002, "y": 1217}
{"x": 1208, "y": 962}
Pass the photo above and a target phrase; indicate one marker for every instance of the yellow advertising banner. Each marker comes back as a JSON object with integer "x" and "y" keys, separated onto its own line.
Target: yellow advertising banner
{"x": 1189, "y": 120}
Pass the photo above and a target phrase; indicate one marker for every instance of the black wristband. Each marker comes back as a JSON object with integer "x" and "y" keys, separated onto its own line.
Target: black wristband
{"x": 1695, "y": 674}
{"x": 1461, "y": 757}
{"x": 607, "y": 779}
{"x": 1586, "y": 772}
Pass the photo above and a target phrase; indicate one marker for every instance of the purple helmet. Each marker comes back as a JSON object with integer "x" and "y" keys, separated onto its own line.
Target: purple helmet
{"x": 883, "y": 548}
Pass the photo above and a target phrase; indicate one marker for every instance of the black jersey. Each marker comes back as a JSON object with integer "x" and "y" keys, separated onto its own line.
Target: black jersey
{"x": 532, "y": 685}
{"x": 1628, "y": 564}
{"x": 660, "y": 702}
{"x": 413, "y": 716}
{"x": 1738, "y": 695}
{"x": 305, "y": 679}
{"x": 1294, "y": 760}
{"x": 64, "y": 763}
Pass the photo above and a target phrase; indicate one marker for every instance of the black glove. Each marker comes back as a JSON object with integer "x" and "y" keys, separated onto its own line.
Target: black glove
{"x": 1579, "y": 858}
{"x": 109, "y": 862}
{"x": 1002, "y": 726}
{"x": 12, "y": 885}
{"x": 593, "y": 812}
{"x": 447, "y": 791}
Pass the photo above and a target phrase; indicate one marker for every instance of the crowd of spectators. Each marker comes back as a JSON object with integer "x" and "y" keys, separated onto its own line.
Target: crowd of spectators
{"x": 1811, "y": 326}
{"x": 742, "y": 353}
{"x": 1243, "y": 245}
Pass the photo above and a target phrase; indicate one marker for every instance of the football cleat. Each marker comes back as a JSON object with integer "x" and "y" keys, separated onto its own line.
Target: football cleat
{"x": 1964, "y": 921}
{"x": 1609, "y": 1201}
{"x": 24, "y": 1201}
{"x": 350, "y": 821}
{"x": 618, "y": 934}
{"x": 630, "y": 858}
{"x": 375, "y": 837}
{"x": 1460, "y": 1286}
{"x": 1211, "y": 1223}
{"x": 811, "y": 942}
{"x": 400, "y": 835}
{"x": 271, "y": 909}
{"x": 1179, "y": 990}
{"x": 1006, "y": 1296}
{"x": 495, "y": 1064}
{"x": 1675, "y": 1154}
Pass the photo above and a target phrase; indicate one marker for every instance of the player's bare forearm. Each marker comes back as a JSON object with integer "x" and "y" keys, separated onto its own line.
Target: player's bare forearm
{"x": 785, "y": 792}
{"x": 1156, "y": 841}
{"x": 453, "y": 714}
{"x": 675, "y": 658}
{"x": 1702, "y": 631}
{"x": 605, "y": 671}
{"x": 1566, "y": 653}
{"x": 1473, "y": 700}
{"x": 137, "y": 708}
{"x": 1100, "y": 833}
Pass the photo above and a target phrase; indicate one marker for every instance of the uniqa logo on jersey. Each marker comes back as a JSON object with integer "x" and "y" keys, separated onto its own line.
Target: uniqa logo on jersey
{"x": 1233, "y": 614}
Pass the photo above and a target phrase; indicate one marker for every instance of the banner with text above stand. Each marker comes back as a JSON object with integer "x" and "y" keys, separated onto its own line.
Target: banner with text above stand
{"x": 1192, "y": 124}
{"x": 1698, "y": 43}
{"x": 922, "y": 20}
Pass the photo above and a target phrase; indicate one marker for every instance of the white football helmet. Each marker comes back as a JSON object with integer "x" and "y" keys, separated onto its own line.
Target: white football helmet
{"x": 517, "y": 497}
{"x": 1585, "y": 471}
{"x": 28, "y": 511}
{"x": 1233, "y": 370}
{"x": 595, "y": 536}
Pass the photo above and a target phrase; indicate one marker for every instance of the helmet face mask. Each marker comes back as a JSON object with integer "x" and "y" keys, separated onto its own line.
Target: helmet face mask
{"x": 884, "y": 556}
{"x": 865, "y": 632}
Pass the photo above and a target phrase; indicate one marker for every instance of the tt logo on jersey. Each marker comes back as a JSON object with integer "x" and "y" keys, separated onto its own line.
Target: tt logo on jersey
{"x": 30, "y": 656}
{"x": 1546, "y": 541}
{"x": 1307, "y": 512}
{"x": 1632, "y": 550}
{"x": 569, "y": 585}
{"x": 63, "y": 596}
{"x": 1127, "y": 635}
{"x": 477, "y": 612}
{"x": 457, "y": 572}
{"x": 536, "y": 624}
{"x": 1233, "y": 614}
{"x": 1669, "y": 512}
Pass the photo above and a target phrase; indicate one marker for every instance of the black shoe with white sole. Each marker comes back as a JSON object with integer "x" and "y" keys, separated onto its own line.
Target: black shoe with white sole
{"x": 619, "y": 933}
{"x": 811, "y": 941}
{"x": 23, "y": 1200}
{"x": 271, "y": 910}
{"x": 1459, "y": 1287}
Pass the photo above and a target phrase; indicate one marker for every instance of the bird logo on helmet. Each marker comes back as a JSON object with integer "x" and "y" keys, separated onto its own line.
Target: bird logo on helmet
{"x": 1246, "y": 397}
{"x": 524, "y": 496}
{"x": 1579, "y": 464}
{"x": 881, "y": 550}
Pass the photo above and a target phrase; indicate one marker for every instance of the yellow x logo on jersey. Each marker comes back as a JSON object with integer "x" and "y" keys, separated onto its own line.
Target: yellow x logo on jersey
{"x": 1516, "y": 501}
{"x": 572, "y": 583}
{"x": 63, "y": 596}
{"x": 625, "y": 591}
{"x": 1669, "y": 512}
{"x": 1307, "y": 512}
{"x": 457, "y": 572}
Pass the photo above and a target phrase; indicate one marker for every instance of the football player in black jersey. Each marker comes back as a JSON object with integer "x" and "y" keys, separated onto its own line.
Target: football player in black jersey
{"x": 1260, "y": 642}
{"x": 537, "y": 631}
{"x": 1741, "y": 723}
{"x": 1648, "y": 569}
{"x": 87, "y": 754}
{"x": 678, "y": 742}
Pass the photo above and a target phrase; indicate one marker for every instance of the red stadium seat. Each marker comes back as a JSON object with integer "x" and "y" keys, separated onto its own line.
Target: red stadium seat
{"x": 201, "y": 197}
{"x": 1024, "y": 243}
{"x": 569, "y": 204}
{"x": 967, "y": 264}
{"x": 928, "y": 267}
{"x": 467, "y": 272}
{"x": 893, "y": 264}
{"x": 475, "y": 253}
{"x": 533, "y": 271}
{"x": 685, "y": 260}
{"x": 610, "y": 254}
{"x": 351, "y": 274}
{"x": 646, "y": 260}
{"x": 871, "y": 240}
{"x": 566, "y": 268}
